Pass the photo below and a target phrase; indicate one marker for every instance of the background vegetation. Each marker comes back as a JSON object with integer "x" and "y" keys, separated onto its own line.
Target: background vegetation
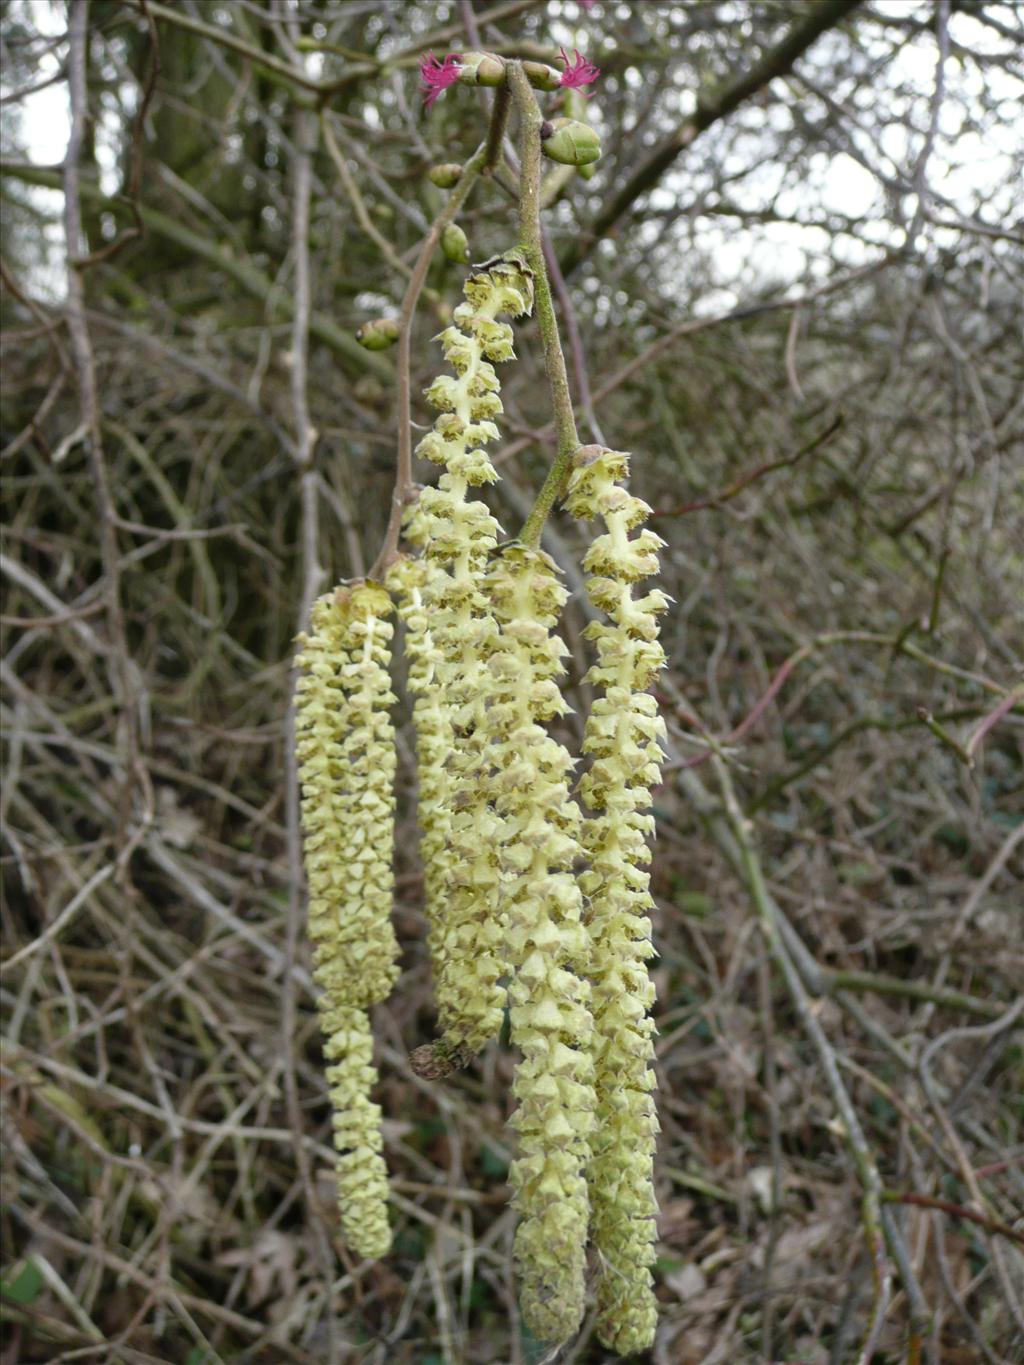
{"x": 792, "y": 289}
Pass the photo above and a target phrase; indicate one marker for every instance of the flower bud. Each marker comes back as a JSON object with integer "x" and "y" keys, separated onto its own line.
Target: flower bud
{"x": 377, "y": 334}
{"x": 541, "y": 77}
{"x": 454, "y": 244}
{"x": 481, "y": 68}
{"x": 570, "y": 142}
{"x": 574, "y": 105}
{"x": 445, "y": 176}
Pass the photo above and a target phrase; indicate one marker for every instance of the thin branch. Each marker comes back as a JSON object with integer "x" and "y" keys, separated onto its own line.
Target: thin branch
{"x": 356, "y": 199}
{"x": 694, "y": 326}
{"x": 731, "y": 490}
{"x": 567, "y": 438}
{"x": 572, "y": 329}
{"x": 853, "y": 1134}
{"x": 814, "y": 21}
{"x": 403, "y": 489}
{"x": 124, "y": 676}
{"x": 927, "y": 1201}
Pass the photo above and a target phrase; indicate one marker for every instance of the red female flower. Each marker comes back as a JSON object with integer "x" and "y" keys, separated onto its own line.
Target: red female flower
{"x": 578, "y": 73}
{"x": 438, "y": 75}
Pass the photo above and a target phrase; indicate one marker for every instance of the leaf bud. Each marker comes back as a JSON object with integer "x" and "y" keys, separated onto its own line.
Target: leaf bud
{"x": 377, "y": 334}
{"x": 570, "y": 142}
{"x": 454, "y": 244}
{"x": 446, "y": 176}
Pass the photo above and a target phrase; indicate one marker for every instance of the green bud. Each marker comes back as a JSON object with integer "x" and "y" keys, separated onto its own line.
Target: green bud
{"x": 570, "y": 142}
{"x": 378, "y": 334}
{"x": 445, "y": 176}
{"x": 541, "y": 77}
{"x": 481, "y": 68}
{"x": 454, "y": 244}
{"x": 588, "y": 172}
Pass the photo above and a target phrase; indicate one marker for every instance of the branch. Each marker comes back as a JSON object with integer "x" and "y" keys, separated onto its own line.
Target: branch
{"x": 737, "y": 486}
{"x": 822, "y": 16}
{"x": 926, "y": 1201}
{"x": 124, "y": 675}
{"x": 567, "y": 438}
{"x": 482, "y": 161}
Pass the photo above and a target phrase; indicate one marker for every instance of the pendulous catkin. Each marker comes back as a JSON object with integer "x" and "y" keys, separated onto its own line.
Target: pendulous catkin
{"x": 545, "y": 941}
{"x": 622, "y": 734}
{"x": 407, "y": 579}
{"x": 458, "y": 534}
{"x": 513, "y": 921}
{"x": 345, "y": 745}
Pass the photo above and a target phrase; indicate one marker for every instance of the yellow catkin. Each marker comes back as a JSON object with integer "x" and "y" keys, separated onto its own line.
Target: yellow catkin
{"x": 407, "y": 579}
{"x": 622, "y": 735}
{"x": 346, "y": 755}
{"x": 458, "y": 535}
{"x": 545, "y": 942}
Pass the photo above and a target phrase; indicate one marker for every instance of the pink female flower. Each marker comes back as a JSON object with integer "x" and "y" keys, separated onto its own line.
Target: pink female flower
{"x": 587, "y": 4}
{"x": 578, "y": 73}
{"x": 438, "y": 75}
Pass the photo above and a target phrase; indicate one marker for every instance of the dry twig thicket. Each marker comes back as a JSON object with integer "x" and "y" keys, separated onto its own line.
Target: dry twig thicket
{"x": 792, "y": 289}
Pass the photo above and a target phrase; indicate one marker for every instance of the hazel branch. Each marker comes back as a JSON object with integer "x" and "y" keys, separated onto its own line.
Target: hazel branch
{"x": 567, "y": 438}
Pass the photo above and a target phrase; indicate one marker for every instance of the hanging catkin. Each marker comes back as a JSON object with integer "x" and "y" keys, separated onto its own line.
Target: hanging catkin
{"x": 622, "y": 736}
{"x": 346, "y": 753}
{"x": 545, "y": 941}
{"x": 458, "y": 534}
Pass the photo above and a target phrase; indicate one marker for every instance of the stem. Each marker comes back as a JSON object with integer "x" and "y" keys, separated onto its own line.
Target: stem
{"x": 403, "y": 471}
{"x": 496, "y": 132}
{"x": 567, "y": 438}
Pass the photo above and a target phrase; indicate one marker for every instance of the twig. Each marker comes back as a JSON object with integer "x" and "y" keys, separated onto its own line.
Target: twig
{"x": 810, "y": 24}
{"x": 737, "y": 486}
{"x": 791, "y": 339}
{"x": 124, "y": 677}
{"x": 312, "y": 577}
{"x": 356, "y": 199}
{"x": 942, "y": 734}
{"x": 63, "y": 919}
{"x": 1014, "y": 698}
{"x": 567, "y": 439}
{"x": 730, "y": 830}
{"x": 853, "y": 1134}
{"x": 471, "y": 171}
{"x": 579, "y": 359}
{"x": 694, "y": 326}
{"x": 927, "y": 1201}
